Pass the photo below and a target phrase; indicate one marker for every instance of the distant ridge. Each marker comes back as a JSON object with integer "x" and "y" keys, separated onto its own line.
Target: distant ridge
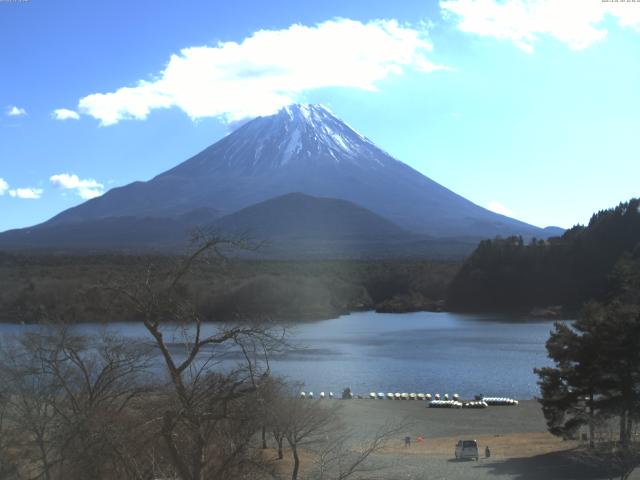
{"x": 296, "y": 215}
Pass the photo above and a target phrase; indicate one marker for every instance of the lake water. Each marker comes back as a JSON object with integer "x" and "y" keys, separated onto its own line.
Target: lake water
{"x": 415, "y": 352}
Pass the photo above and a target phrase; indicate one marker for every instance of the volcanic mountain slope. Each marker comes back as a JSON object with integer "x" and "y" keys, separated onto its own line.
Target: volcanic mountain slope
{"x": 300, "y": 216}
{"x": 293, "y": 216}
{"x": 302, "y": 148}
{"x": 296, "y": 225}
{"x": 291, "y": 226}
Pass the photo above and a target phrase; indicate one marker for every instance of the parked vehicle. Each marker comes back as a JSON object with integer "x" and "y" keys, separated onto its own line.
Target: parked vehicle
{"x": 467, "y": 449}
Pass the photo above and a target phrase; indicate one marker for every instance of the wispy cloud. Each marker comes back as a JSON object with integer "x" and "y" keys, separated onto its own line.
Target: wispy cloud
{"x": 14, "y": 111}
{"x": 270, "y": 69}
{"x": 4, "y": 186}
{"x": 497, "y": 207}
{"x": 26, "y": 193}
{"x": 65, "y": 114}
{"x": 577, "y": 23}
{"x": 85, "y": 188}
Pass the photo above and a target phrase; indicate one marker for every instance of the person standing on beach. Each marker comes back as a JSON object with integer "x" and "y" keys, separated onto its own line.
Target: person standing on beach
{"x": 487, "y": 452}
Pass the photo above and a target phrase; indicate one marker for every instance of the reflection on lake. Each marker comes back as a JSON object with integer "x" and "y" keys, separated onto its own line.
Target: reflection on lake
{"x": 414, "y": 352}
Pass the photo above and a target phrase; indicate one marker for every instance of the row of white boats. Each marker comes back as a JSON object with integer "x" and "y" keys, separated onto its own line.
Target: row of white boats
{"x": 499, "y": 401}
{"x": 322, "y": 395}
{"x": 484, "y": 403}
{"x": 436, "y": 400}
{"x": 412, "y": 396}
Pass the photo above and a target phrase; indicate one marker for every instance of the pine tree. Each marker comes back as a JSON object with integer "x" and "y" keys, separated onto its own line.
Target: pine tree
{"x": 569, "y": 391}
{"x": 597, "y": 366}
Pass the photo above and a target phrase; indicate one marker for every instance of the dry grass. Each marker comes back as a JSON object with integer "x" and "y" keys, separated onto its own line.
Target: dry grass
{"x": 510, "y": 446}
{"x": 515, "y": 445}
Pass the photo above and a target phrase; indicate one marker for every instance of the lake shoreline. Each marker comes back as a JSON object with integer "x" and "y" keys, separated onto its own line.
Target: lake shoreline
{"x": 387, "y": 308}
{"x": 420, "y": 352}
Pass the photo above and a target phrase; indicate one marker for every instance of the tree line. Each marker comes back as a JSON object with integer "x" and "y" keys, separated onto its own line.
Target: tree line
{"x": 510, "y": 274}
{"x": 45, "y": 288}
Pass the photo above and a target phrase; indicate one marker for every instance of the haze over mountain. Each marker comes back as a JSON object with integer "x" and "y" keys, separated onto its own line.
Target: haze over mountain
{"x": 302, "y": 148}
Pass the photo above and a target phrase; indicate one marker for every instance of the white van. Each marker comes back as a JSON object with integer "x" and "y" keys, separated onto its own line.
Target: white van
{"x": 467, "y": 449}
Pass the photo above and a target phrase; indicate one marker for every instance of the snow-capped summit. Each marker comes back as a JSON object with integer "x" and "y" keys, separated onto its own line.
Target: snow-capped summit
{"x": 320, "y": 118}
{"x": 298, "y": 134}
{"x": 306, "y": 149}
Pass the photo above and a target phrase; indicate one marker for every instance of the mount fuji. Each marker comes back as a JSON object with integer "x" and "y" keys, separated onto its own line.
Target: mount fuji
{"x": 302, "y": 148}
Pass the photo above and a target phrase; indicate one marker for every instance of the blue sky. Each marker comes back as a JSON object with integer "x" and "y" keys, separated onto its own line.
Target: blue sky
{"x": 530, "y": 108}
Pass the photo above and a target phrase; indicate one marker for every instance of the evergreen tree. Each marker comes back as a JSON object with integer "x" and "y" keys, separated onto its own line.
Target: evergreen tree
{"x": 597, "y": 365}
{"x": 569, "y": 390}
{"x": 507, "y": 274}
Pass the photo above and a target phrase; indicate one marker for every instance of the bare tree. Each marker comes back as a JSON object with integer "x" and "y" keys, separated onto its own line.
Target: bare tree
{"x": 8, "y": 467}
{"x": 278, "y": 430}
{"x": 30, "y": 419}
{"x": 207, "y": 424}
{"x": 99, "y": 378}
{"x": 316, "y": 428}
{"x": 270, "y": 391}
{"x": 303, "y": 423}
{"x": 343, "y": 456}
{"x": 65, "y": 398}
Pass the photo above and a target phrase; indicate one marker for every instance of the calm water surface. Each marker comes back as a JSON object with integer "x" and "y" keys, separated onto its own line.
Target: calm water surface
{"x": 421, "y": 352}
{"x": 416, "y": 352}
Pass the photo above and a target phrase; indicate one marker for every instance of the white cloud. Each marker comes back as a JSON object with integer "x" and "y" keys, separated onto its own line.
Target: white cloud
{"x": 14, "y": 111}
{"x": 577, "y": 23}
{"x": 86, "y": 189}
{"x": 64, "y": 114}
{"x": 26, "y": 193}
{"x": 269, "y": 69}
{"x": 497, "y": 207}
